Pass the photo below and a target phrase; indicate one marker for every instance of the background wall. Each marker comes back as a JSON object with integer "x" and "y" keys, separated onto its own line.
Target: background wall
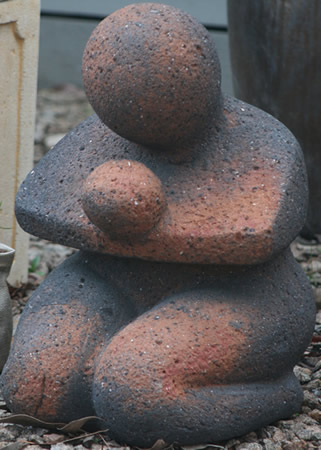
{"x": 66, "y": 26}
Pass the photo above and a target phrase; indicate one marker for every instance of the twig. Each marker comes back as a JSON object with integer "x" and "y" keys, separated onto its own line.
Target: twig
{"x": 82, "y": 436}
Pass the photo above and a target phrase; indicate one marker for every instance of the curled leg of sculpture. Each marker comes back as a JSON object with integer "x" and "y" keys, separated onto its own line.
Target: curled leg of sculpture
{"x": 208, "y": 364}
{"x": 50, "y": 368}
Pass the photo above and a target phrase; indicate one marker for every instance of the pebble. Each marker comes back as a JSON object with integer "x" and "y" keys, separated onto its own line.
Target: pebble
{"x": 316, "y": 375}
{"x": 306, "y": 419}
{"x": 312, "y": 265}
{"x": 303, "y": 374}
{"x": 314, "y": 384}
{"x": 284, "y": 424}
{"x": 316, "y": 415}
{"x": 311, "y": 400}
{"x": 7, "y": 435}
{"x": 99, "y": 447}
{"x": 53, "y": 139}
{"x": 295, "y": 444}
{"x": 289, "y": 435}
{"x": 306, "y": 409}
{"x": 62, "y": 446}
{"x": 35, "y": 438}
{"x": 278, "y": 435}
{"x": 51, "y": 255}
{"x": 317, "y": 366}
{"x": 249, "y": 446}
{"x": 305, "y": 250}
{"x": 270, "y": 445}
{"x": 310, "y": 433}
{"x": 232, "y": 443}
{"x": 250, "y": 437}
{"x": 53, "y": 438}
{"x": 32, "y": 447}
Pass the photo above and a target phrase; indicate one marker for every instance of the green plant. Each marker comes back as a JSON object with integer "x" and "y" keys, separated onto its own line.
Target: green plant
{"x": 34, "y": 265}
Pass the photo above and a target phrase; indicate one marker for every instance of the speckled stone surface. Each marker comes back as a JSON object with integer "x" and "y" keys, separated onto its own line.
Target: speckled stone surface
{"x": 183, "y": 314}
{"x": 123, "y": 198}
{"x": 186, "y": 353}
{"x": 152, "y": 74}
{"x": 241, "y": 198}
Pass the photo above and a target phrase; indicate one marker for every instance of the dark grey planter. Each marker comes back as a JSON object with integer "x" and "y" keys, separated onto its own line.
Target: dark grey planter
{"x": 6, "y": 258}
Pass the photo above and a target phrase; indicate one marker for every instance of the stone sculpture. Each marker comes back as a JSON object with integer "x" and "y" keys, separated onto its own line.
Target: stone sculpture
{"x": 184, "y": 312}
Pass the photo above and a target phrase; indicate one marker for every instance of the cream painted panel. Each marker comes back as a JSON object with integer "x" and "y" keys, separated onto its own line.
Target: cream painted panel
{"x": 19, "y": 36}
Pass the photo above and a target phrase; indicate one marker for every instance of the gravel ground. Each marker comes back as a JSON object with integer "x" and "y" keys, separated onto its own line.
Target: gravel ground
{"x": 59, "y": 110}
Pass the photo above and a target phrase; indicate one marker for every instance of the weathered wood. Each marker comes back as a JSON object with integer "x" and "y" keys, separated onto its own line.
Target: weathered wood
{"x": 276, "y": 61}
{"x": 19, "y": 35}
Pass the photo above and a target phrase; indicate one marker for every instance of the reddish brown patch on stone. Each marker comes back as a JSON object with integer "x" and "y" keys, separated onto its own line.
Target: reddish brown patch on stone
{"x": 231, "y": 119}
{"x": 213, "y": 221}
{"x": 152, "y": 74}
{"x": 123, "y": 198}
{"x": 179, "y": 346}
{"x": 60, "y": 351}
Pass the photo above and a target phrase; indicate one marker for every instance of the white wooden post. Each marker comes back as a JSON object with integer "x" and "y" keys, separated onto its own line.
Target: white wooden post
{"x": 19, "y": 38}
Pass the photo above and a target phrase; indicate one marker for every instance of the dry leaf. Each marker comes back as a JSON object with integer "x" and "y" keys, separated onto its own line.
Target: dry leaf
{"x": 159, "y": 445}
{"x": 53, "y": 438}
{"x": 24, "y": 419}
{"x": 72, "y": 427}
{"x": 201, "y": 447}
{"x": 76, "y": 425}
{"x": 84, "y": 436}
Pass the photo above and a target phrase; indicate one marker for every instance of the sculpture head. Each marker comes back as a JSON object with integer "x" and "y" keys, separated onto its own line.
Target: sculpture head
{"x": 152, "y": 75}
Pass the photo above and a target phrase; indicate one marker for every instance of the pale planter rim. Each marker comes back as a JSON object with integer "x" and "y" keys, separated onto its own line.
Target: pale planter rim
{"x": 5, "y": 249}
{"x": 6, "y": 255}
